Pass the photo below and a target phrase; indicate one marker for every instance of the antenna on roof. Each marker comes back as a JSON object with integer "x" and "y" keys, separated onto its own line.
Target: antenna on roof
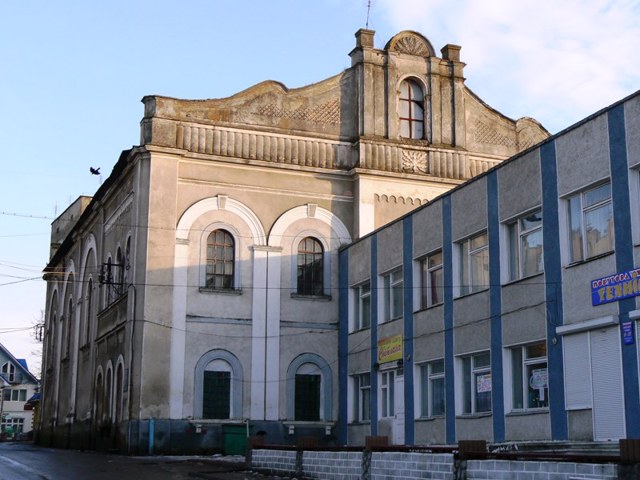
{"x": 368, "y": 11}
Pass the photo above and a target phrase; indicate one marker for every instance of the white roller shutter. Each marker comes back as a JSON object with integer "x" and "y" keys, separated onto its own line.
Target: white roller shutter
{"x": 608, "y": 395}
{"x": 577, "y": 371}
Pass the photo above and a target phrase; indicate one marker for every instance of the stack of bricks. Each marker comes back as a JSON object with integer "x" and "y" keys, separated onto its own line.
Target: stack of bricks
{"x": 535, "y": 470}
{"x": 343, "y": 465}
{"x": 438, "y": 466}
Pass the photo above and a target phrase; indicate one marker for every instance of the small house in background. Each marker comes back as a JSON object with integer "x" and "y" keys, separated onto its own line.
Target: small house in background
{"x": 18, "y": 386}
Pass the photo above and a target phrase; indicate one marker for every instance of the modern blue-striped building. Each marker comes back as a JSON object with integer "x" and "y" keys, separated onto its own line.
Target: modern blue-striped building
{"x": 506, "y": 309}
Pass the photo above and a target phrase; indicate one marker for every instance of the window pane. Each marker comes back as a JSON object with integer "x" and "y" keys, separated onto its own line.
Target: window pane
{"x": 597, "y": 195}
{"x": 416, "y": 91}
{"x": 405, "y": 130}
{"x": 483, "y": 392}
{"x": 437, "y": 289}
{"x": 599, "y": 231}
{"x": 437, "y": 396}
{"x": 216, "y": 395}
{"x": 538, "y": 389}
{"x": 435, "y": 259}
{"x": 418, "y": 129}
{"x": 537, "y": 351}
{"x": 404, "y": 109}
{"x": 514, "y": 260}
{"x": 479, "y": 241}
{"x": 464, "y": 268}
{"x": 23, "y": 396}
{"x": 466, "y": 387}
{"x": 575, "y": 225}
{"x": 482, "y": 360}
{"x": 480, "y": 270}
{"x": 532, "y": 253}
{"x": 366, "y": 404}
{"x": 398, "y": 292}
{"x": 516, "y": 365}
{"x": 307, "y": 397}
{"x": 366, "y": 312}
{"x": 437, "y": 367}
{"x": 424, "y": 386}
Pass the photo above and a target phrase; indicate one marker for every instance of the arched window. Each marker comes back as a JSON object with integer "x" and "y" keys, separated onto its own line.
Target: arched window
{"x": 118, "y": 393}
{"x": 9, "y": 372}
{"x": 218, "y": 386}
{"x": 69, "y": 330}
{"x": 309, "y": 388}
{"x": 216, "y": 391}
{"x": 119, "y": 273}
{"x": 411, "y": 106}
{"x": 127, "y": 262}
{"x": 220, "y": 259}
{"x": 89, "y": 311}
{"x": 108, "y": 395}
{"x": 99, "y": 398}
{"x": 307, "y": 397}
{"x": 310, "y": 267}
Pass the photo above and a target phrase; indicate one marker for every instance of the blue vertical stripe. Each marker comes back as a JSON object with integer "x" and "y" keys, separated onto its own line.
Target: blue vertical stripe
{"x": 495, "y": 302}
{"x": 553, "y": 289}
{"x": 447, "y": 253}
{"x": 374, "y": 335}
{"x": 624, "y": 259}
{"x": 343, "y": 346}
{"x": 407, "y": 270}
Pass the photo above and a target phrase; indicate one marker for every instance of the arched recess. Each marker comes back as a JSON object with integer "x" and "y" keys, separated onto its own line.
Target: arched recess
{"x": 237, "y": 381}
{"x": 220, "y": 202}
{"x": 308, "y": 211}
{"x": 326, "y": 386}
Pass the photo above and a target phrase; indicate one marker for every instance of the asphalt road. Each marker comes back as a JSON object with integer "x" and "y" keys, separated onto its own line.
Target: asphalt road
{"x": 25, "y": 461}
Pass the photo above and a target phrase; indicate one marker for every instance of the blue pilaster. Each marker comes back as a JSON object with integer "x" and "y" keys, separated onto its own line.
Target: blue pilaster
{"x": 407, "y": 270}
{"x": 553, "y": 290}
{"x": 495, "y": 305}
{"x": 343, "y": 345}
{"x": 624, "y": 260}
{"x": 374, "y": 335}
{"x": 447, "y": 253}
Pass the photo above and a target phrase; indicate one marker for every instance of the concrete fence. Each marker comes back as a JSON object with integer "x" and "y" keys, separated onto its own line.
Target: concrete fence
{"x": 465, "y": 462}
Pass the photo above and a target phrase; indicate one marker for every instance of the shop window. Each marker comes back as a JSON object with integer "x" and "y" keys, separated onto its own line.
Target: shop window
{"x": 476, "y": 383}
{"x": 432, "y": 280}
{"x": 393, "y": 290}
{"x": 411, "y": 106}
{"x": 310, "y": 267}
{"x": 220, "y": 260}
{"x": 525, "y": 246}
{"x": 432, "y": 389}
{"x": 590, "y": 223}
{"x": 362, "y": 306}
{"x": 474, "y": 264}
{"x": 530, "y": 380}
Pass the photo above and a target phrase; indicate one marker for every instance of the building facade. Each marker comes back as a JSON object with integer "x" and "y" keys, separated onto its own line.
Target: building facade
{"x": 18, "y": 386}
{"x": 196, "y": 295}
{"x": 507, "y": 308}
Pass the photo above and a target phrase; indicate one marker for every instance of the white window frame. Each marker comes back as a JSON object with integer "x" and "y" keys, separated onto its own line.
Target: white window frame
{"x": 9, "y": 371}
{"x": 362, "y": 399}
{"x": 577, "y": 202}
{"x": 427, "y": 272}
{"x": 387, "y": 393}
{"x": 361, "y": 294}
{"x": 428, "y": 376}
{"x": 393, "y": 284}
{"x": 520, "y": 364}
{"x": 467, "y": 253}
{"x": 517, "y": 235}
{"x": 468, "y": 383}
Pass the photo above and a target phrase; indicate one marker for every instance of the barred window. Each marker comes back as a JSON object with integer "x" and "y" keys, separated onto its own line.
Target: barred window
{"x": 220, "y": 260}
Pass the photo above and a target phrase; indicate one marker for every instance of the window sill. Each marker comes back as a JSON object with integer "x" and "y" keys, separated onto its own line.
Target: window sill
{"x": 529, "y": 412}
{"x": 522, "y": 279}
{"x": 322, "y": 298}
{"x": 470, "y": 294}
{"x": 467, "y": 416}
{"x": 363, "y": 329}
{"x": 224, "y": 291}
{"x": 430, "y": 307}
{"x": 590, "y": 259}
{"x": 430, "y": 419}
{"x": 359, "y": 423}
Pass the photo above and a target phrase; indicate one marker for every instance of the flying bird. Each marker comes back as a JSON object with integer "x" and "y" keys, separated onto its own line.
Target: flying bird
{"x": 94, "y": 171}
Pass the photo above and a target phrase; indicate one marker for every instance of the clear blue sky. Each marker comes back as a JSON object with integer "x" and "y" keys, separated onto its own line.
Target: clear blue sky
{"x": 72, "y": 74}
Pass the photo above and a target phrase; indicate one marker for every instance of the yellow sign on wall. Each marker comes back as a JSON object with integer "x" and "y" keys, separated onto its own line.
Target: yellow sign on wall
{"x": 390, "y": 349}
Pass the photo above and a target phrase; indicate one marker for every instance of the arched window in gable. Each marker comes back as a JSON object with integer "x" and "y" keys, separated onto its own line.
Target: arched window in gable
{"x": 310, "y": 267}
{"x": 411, "y": 110}
{"x": 220, "y": 260}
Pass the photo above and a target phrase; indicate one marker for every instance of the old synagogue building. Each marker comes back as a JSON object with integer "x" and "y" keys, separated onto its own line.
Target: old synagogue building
{"x": 200, "y": 292}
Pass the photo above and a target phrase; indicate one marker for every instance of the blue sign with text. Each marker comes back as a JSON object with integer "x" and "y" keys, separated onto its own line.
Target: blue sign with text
{"x": 615, "y": 287}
